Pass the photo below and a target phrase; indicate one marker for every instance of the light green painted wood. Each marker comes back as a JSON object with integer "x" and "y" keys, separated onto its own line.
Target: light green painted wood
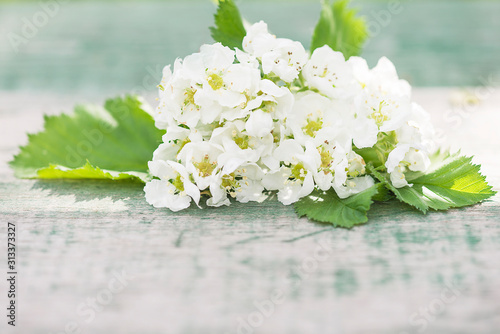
{"x": 111, "y": 47}
{"x": 202, "y": 271}
{"x": 216, "y": 270}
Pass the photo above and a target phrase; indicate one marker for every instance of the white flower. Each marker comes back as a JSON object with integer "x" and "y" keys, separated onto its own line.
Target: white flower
{"x": 259, "y": 124}
{"x": 161, "y": 116}
{"x": 382, "y": 77}
{"x": 285, "y": 60}
{"x": 405, "y": 157}
{"x": 218, "y": 194}
{"x": 250, "y": 185}
{"x": 315, "y": 118}
{"x": 283, "y": 57}
{"x": 294, "y": 180}
{"x": 173, "y": 141}
{"x": 328, "y": 72}
{"x": 239, "y": 146}
{"x": 418, "y": 129}
{"x": 200, "y": 160}
{"x": 277, "y": 101}
{"x": 382, "y": 104}
{"x": 173, "y": 190}
{"x": 333, "y": 165}
{"x": 247, "y": 59}
{"x": 161, "y": 194}
{"x": 258, "y": 40}
{"x": 241, "y": 124}
{"x": 398, "y": 178}
{"x": 341, "y": 170}
{"x": 387, "y": 112}
{"x": 356, "y": 164}
{"x": 204, "y": 85}
{"x": 242, "y": 183}
{"x": 377, "y": 112}
{"x": 350, "y": 180}
{"x": 290, "y": 189}
{"x": 177, "y": 104}
{"x": 413, "y": 158}
{"x": 354, "y": 186}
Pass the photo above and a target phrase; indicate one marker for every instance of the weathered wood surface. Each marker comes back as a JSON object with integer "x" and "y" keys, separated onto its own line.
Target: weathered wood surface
{"x": 97, "y": 46}
{"x": 216, "y": 270}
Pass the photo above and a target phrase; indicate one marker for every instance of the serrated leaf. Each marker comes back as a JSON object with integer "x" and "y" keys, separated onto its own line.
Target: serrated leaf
{"x": 120, "y": 137}
{"x": 406, "y": 195}
{"x": 383, "y": 193}
{"x": 229, "y": 29}
{"x": 339, "y": 28}
{"x": 88, "y": 172}
{"x": 454, "y": 181}
{"x": 327, "y": 207}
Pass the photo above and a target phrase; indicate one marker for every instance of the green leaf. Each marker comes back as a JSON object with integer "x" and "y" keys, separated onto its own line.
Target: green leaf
{"x": 327, "y": 207}
{"x": 229, "y": 29}
{"x": 377, "y": 154}
{"x": 406, "y": 194}
{"x": 88, "y": 172}
{"x": 94, "y": 141}
{"x": 453, "y": 181}
{"x": 383, "y": 194}
{"x": 339, "y": 28}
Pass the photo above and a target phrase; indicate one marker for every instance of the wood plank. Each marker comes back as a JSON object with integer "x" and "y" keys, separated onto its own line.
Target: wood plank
{"x": 119, "y": 46}
{"x": 217, "y": 270}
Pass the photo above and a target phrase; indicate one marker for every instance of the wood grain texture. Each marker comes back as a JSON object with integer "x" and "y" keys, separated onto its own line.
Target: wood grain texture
{"x": 118, "y": 46}
{"x": 217, "y": 270}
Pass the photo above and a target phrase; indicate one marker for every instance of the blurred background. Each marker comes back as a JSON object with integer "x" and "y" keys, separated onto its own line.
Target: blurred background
{"x": 98, "y": 48}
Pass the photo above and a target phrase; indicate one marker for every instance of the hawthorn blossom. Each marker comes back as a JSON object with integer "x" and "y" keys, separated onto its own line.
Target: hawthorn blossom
{"x": 294, "y": 179}
{"x": 329, "y": 73}
{"x": 203, "y": 85}
{"x": 406, "y": 158}
{"x": 383, "y": 103}
{"x": 244, "y": 124}
{"x": 173, "y": 189}
{"x": 279, "y": 56}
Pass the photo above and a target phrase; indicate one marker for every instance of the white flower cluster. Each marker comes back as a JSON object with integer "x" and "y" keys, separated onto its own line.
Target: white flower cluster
{"x": 243, "y": 124}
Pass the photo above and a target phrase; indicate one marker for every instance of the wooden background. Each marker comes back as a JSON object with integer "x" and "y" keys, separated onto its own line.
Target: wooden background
{"x": 95, "y": 258}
